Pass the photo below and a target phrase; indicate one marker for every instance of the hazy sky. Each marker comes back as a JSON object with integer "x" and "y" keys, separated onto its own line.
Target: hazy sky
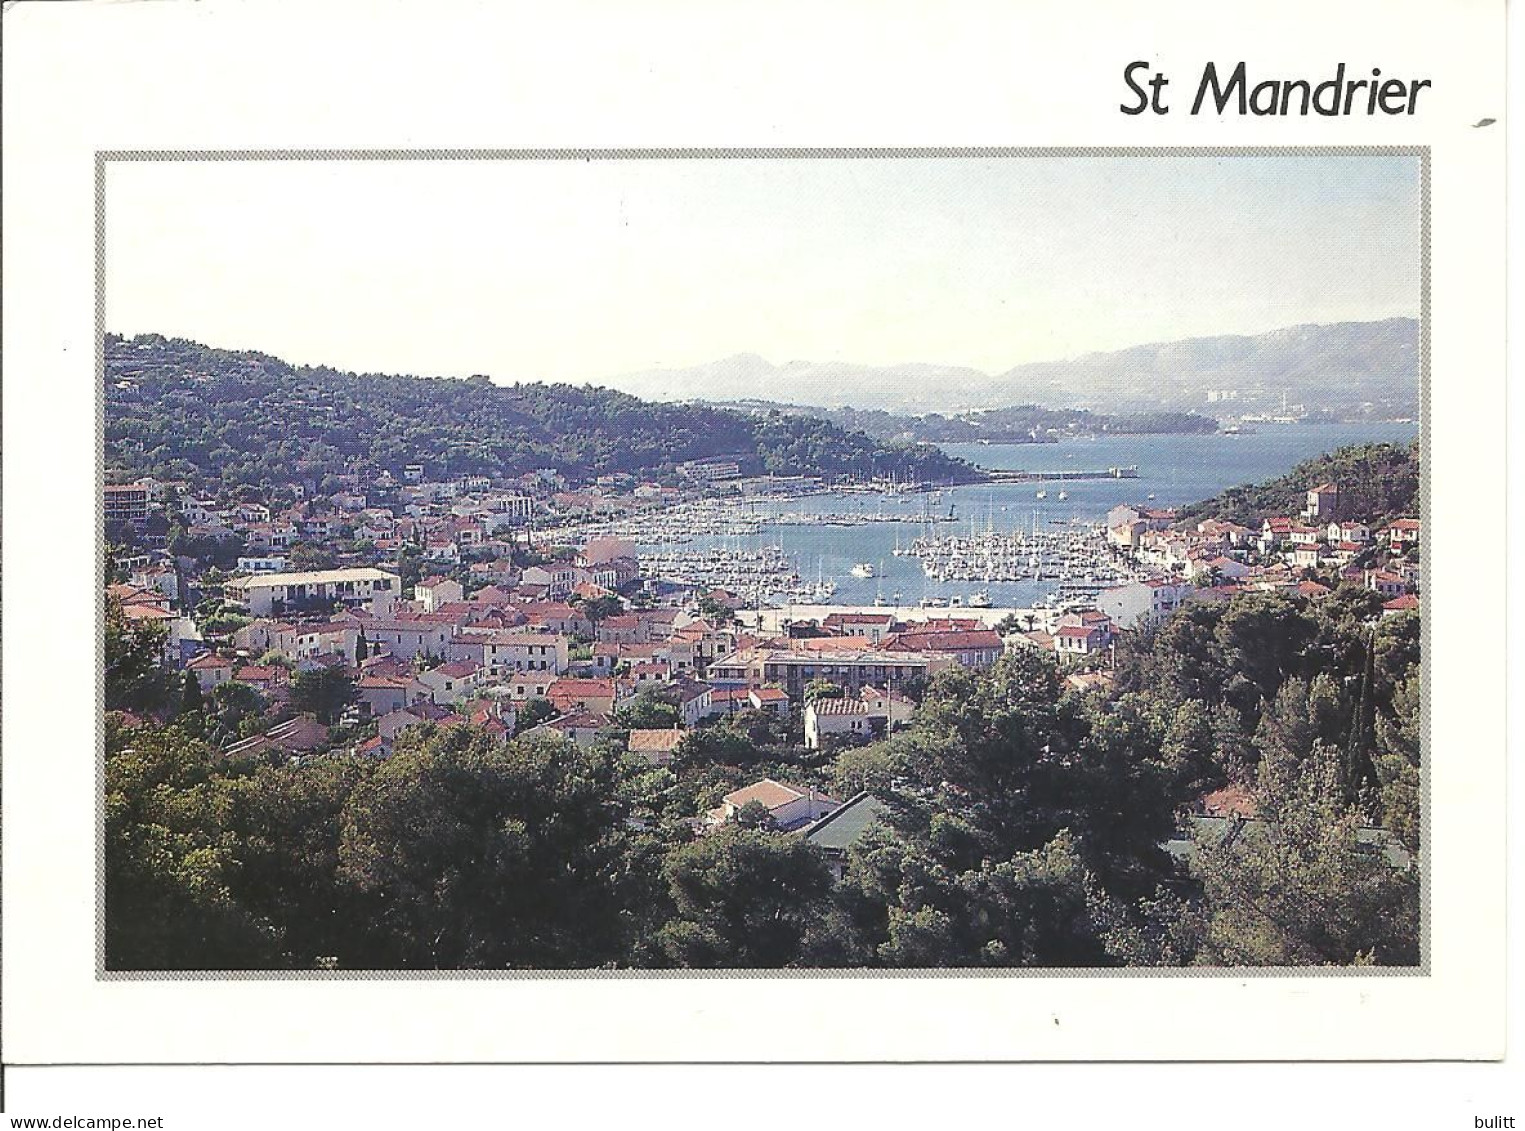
{"x": 578, "y": 270}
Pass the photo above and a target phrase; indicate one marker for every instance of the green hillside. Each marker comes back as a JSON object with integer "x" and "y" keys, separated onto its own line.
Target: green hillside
{"x": 180, "y": 410}
{"x": 1377, "y": 482}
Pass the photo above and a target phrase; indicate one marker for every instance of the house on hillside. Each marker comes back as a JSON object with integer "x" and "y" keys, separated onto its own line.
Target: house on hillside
{"x": 451, "y": 682}
{"x": 432, "y": 592}
{"x": 655, "y": 745}
{"x": 211, "y": 670}
{"x": 789, "y": 807}
{"x": 381, "y": 694}
{"x": 1076, "y": 640}
{"x": 578, "y": 727}
{"x": 827, "y": 718}
{"x": 1322, "y": 503}
{"x": 295, "y": 736}
{"x": 1403, "y": 533}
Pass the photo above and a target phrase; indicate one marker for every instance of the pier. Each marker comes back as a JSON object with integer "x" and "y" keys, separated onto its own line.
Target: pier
{"x": 999, "y": 475}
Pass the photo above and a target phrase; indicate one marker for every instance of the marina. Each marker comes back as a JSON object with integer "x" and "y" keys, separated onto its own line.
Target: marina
{"x": 955, "y": 547}
{"x": 1079, "y": 558}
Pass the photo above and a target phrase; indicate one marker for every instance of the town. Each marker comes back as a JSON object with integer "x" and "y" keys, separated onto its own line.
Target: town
{"x": 416, "y": 674}
{"x": 460, "y": 614}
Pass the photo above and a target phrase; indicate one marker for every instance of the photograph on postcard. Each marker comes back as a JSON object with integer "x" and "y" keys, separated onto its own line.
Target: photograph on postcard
{"x": 758, "y": 561}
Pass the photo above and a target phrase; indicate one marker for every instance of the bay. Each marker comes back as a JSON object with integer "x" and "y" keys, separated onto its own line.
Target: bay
{"x": 1173, "y": 469}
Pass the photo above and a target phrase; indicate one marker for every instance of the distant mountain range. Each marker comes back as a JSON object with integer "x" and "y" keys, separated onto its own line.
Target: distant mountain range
{"x": 1347, "y": 370}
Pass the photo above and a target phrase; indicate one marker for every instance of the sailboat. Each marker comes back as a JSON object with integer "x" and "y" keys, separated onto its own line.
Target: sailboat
{"x": 1042, "y": 494}
{"x": 1063, "y": 495}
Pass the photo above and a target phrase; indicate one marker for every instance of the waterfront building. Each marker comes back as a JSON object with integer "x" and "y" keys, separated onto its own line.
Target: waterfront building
{"x": 873, "y": 627}
{"x": 976, "y": 648}
{"x": 1139, "y": 603}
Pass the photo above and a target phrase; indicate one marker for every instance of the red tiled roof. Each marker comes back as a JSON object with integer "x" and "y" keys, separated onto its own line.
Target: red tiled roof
{"x": 654, "y": 741}
{"x": 946, "y": 641}
{"x": 567, "y": 685}
{"x": 379, "y": 682}
{"x": 1231, "y": 800}
{"x": 839, "y": 707}
{"x": 146, "y": 612}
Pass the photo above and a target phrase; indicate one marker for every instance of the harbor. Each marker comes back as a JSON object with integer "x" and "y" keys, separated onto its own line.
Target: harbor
{"x": 1029, "y": 541}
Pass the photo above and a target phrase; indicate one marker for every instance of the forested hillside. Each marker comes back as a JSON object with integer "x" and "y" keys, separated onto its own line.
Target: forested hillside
{"x": 1018, "y": 424}
{"x": 180, "y": 410}
{"x": 1377, "y": 482}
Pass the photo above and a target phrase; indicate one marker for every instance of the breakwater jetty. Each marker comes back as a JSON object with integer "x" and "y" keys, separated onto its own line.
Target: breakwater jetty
{"x": 1000, "y": 475}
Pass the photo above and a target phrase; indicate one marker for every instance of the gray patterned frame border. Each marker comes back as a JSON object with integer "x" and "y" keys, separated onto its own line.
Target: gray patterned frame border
{"x": 105, "y": 158}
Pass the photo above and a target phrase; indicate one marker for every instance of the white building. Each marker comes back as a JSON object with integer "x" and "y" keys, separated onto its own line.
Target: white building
{"x": 451, "y": 682}
{"x": 1143, "y": 602}
{"x": 264, "y": 594}
{"x": 828, "y": 717}
{"x": 261, "y": 565}
{"x": 503, "y": 653}
{"x": 557, "y": 577}
{"x": 410, "y": 636}
{"x": 789, "y": 806}
{"x": 436, "y": 591}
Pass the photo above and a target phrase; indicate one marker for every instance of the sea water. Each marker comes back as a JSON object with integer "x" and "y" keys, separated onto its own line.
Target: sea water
{"x": 1174, "y": 469}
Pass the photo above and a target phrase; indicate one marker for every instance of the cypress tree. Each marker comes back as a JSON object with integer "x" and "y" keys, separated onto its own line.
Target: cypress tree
{"x": 190, "y": 694}
{"x": 1358, "y": 768}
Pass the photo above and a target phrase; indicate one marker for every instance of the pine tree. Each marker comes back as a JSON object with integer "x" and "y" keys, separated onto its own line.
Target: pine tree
{"x": 361, "y": 650}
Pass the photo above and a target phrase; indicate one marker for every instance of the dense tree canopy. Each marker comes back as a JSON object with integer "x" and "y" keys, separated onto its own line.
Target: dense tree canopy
{"x": 221, "y": 418}
{"x": 1018, "y": 424}
{"x": 1377, "y": 482}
